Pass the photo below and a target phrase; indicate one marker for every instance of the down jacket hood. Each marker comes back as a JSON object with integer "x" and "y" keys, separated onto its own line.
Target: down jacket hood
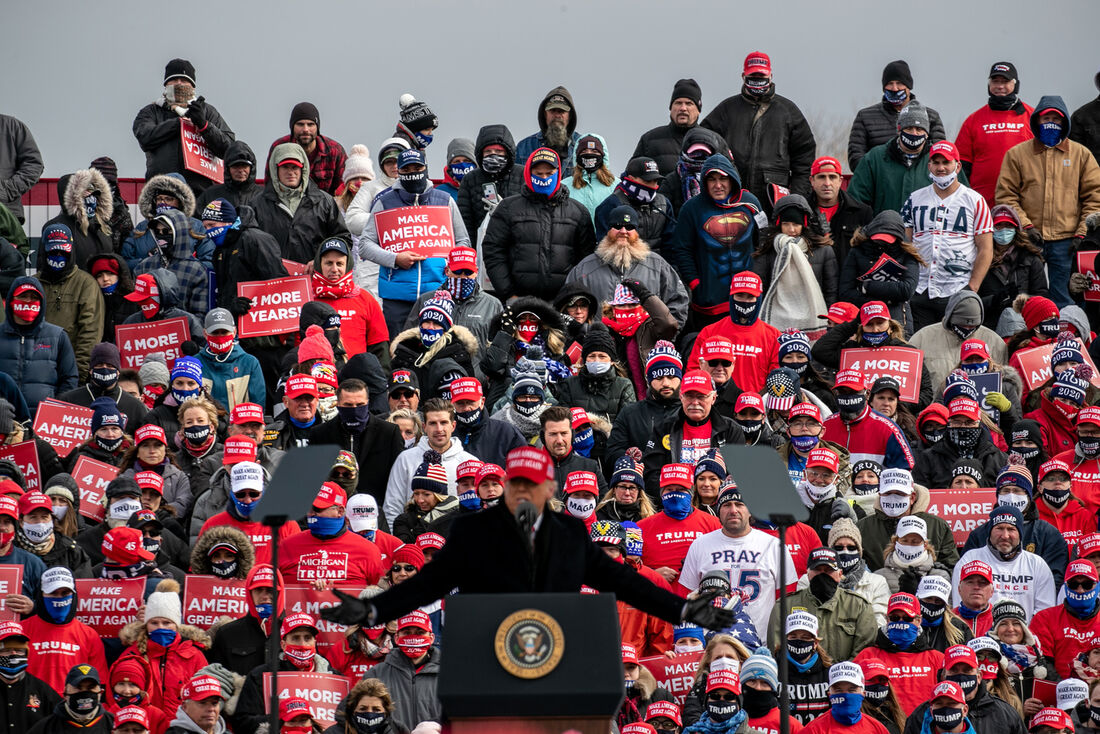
{"x": 572, "y": 126}
{"x": 26, "y": 279}
{"x": 527, "y": 172}
{"x": 172, "y": 184}
{"x": 496, "y": 135}
{"x": 955, "y": 300}
{"x": 71, "y": 188}
{"x": 183, "y": 245}
{"x": 282, "y": 152}
{"x": 1046, "y": 102}
{"x": 169, "y": 286}
{"x": 239, "y": 151}
{"x": 200, "y": 561}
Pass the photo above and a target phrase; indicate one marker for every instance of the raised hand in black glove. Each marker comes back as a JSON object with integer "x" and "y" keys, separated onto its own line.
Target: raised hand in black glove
{"x": 239, "y": 306}
{"x": 637, "y": 288}
{"x": 508, "y": 321}
{"x": 351, "y": 610}
{"x": 701, "y": 611}
{"x": 1035, "y": 237}
{"x": 841, "y": 508}
{"x": 196, "y": 112}
{"x": 908, "y": 580}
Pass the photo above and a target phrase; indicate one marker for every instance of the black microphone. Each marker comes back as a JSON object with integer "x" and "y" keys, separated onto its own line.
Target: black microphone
{"x": 526, "y": 514}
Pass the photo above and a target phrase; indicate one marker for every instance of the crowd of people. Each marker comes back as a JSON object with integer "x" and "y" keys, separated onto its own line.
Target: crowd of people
{"x": 924, "y": 327}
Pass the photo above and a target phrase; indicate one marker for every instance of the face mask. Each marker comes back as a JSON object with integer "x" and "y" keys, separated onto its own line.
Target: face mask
{"x": 902, "y": 634}
{"x": 109, "y": 289}
{"x": 527, "y": 330}
{"x": 637, "y": 192}
{"x": 865, "y": 489}
{"x": 751, "y": 428}
{"x": 961, "y": 330}
{"x": 894, "y": 97}
{"x": 823, "y": 587}
{"x": 90, "y": 205}
{"x": 988, "y": 669}
{"x": 934, "y": 435}
{"x": 414, "y": 183}
{"x": 264, "y": 611}
{"x": 848, "y": 560}
{"x": 966, "y": 682}
{"x": 182, "y": 395}
{"x": 800, "y": 649}
{"x": 1004, "y": 236}
{"x": 1094, "y": 714}
{"x": 757, "y": 86}
{"x": 469, "y": 500}
{"x": 1050, "y": 328}
{"x": 975, "y": 368}
{"x": 545, "y": 186}
{"x": 931, "y": 614}
{"x": 217, "y": 234}
{"x": 744, "y": 313}
{"x": 876, "y": 692}
{"x": 82, "y": 703}
{"x": 326, "y": 407}
{"x": 676, "y": 504}
{"x": 894, "y": 506}
{"x": 110, "y": 445}
{"x": 27, "y": 311}
{"x": 370, "y": 723}
{"x": 804, "y": 444}
{"x": 909, "y": 553}
{"x": 1088, "y": 446}
{"x": 151, "y": 544}
{"x": 584, "y": 441}
{"x": 354, "y": 418}
{"x": 946, "y": 718}
{"x": 687, "y": 645}
{"x": 59, "y": 511}
{"x": 58, "y": 607}
{"x": 196, "y": 435}
{"x": 493, "y": 163}
{"x": 815, "y": 493}
{"x": 1013, "y": 500}
{"x": 424, "y": 139}
{"x": 458, "y": 171}
{"x": 875, "y": 338}
{"x": 469, "y": 417}
{"x": 722, "y": 710}
{"x": 798, "y": 367}
{"x": 429, "y": 336}
{"x": 579, "y": 508}
{"x": 325, "y": 527}
{"x": 1082, "y": 604}
{"x": 528, "y": 409}
{"x": 590, "y": 162}
{"x": 103, "y": 377}
{"x": 1056, "y": 498}
{"x": 56, "y": 263}
{"x": 224, "y": 569}
{"x": 851, "y": 405}
{"x": 149, "y": 308}
{"x": 912, "y": 142}
{"x": 964, "y": 439}
{"x": 37, "y": 532}
{"x": 163, "y": 636}
{"x": 944, "y": 182}
{"x": 845, "y": 707}
{"x": 415, "y": 645}
{"x": 300, "y": 656}
{"x": 1050, "y": 133}
{"x": 13, "y": 664}
{"x": 757, "y": 702}
{"x": 461, "y": 288}
{"x": 597, "y": 368}
{"x": 220, "y": 344}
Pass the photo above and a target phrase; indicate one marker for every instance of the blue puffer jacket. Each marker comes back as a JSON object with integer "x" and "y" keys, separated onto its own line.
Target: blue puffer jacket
{"x": 38, "y": 356}
{"x": 239, "y": 370}
{"x": 713, "y": 241}
{"x": 141, "y": 242}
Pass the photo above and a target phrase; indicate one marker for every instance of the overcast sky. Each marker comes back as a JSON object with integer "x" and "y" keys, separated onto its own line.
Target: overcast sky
{"x": 78, "y": 72}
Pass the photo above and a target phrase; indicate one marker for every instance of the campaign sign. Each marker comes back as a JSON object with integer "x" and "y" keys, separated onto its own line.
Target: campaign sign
{"x": 674, "y": 674}
{"x": 92, "y": 478}
{"x": 987, "y": 383}
{"x": 276, "y": 305}
{"x": 426, "y": 230}
{"x": 901, "y": 363}
{"x": 1086, "y": 264}
{"x": 136, "y": 340}
{"x": 108, "y": 605}
{"x": 62, "y": 425}
{"x": 307, "y": 600}
{"x": 206, "y": 599}
{"x": 11, "y": 582}
{"x": 25, "y": 456}
{"x": 198, "y": 158}
{"x": 962, "y": 509}
{"x": 324, "y": 692}
{"x": 1035, "y": 365}
{"x": 293, "y": 267}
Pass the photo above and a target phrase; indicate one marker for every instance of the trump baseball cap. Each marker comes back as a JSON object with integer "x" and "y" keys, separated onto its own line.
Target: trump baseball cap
{"x": 415, "y": 618}
{"x": 748, "y": 401}
{"x": 944, "y": 148}
{"x": 976, "y": 568}
{"x": 904, "y": 603}
{"x": 581, "y": 481}
{"x": 873, "y": 310}
{"x": 293, "y": 707}
{"x": 530, "y": 463}
{"x": 840, "y": 312}
{"x": 825, "y": 458}
{"x": 851, "y": 379}
{"x": 1082, "y": 568}
{"x": 462, "y": 259}
{"x": 727, "y": 679}
{"x": 758, "y": 62}
{"x": 330, "y": 494}
{"x": 12, "y": 629}
{"x": 959, "y": 654}
{"x": 823, "y": 164}
{"x": 131, "y": 715}
{"x": 466, "y": 388}
{"x": 246, "y": 413}
{"x": 948, "y": 689}
{"x": 716, "y": 347}
{"x": 696, "y": 381}
{"x": 200, "y": 688}
{"x": 677, "y": 475}
{"x": 299, "y": 385}
{"x": 237, "y": 449}
{"x": 145, "y": 287}
{"x": 293, "y": 621}
{"x": 746, "y": 282}
{"x": 804, "y": 410}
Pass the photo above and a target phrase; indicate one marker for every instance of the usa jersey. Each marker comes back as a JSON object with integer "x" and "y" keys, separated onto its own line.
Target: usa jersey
{"x": 944, "y": 232}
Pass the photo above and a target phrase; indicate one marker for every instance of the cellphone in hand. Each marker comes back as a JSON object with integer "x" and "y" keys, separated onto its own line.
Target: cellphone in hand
{"x": 489, "y": 192}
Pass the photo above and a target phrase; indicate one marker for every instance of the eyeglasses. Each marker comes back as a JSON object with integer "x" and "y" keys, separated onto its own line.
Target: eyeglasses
{"x": 403, "y": 567}
{"x": 716, "y": 696}
{"x": 623, "y": 487}
{"x": 626, "y": 227}
{"x": 247, "y": 494}
{"x": 1080, "y": 584}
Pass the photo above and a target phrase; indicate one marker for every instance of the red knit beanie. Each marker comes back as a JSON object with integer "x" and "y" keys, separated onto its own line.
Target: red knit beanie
{"x": 411, "y": 554}
{"x": 1037, "y": 310}
{"x": 315, "y": 346}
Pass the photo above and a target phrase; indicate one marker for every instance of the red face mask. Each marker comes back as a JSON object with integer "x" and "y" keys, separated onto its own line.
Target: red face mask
{"x": 300, "y": 656}
{"x": 150, "y": 308}
{"x": 988, "y": 669}
{"x": 414, "y": 645}
{"x": 6, "y": 539}
{"x": 150, "y": 393}
{"x": 527, "y": 329}
{"x": 629, "y": 315}
{"x": 220, "y": 344}
{"x": 28, "y": 311}
{"x": 287, "y": 729}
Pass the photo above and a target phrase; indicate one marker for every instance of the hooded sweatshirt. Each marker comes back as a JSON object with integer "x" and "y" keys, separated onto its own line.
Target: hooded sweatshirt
{"x": 362, "y": 324}
{"x": 941, "y": 345}
{"x": 592, "y": 193}
{"x": 178, "y": 256}
{"x": 235, "y": 193}
{"x": 141, "y": 242}
{"x": 472, "y": 192}
{"x": 75, "y": 303}
{"x": 56, "y": 648}
{"x": 39, "y": 355}
{"x": 532, "y": 142}
{"x": 169, "y": 289}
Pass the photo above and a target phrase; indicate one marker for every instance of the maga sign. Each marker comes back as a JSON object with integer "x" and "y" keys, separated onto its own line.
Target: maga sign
{"x": 901, "y": 363}
{"x": 324, "y": 692}
{"x": 674, "y": 674}
{"x": 62, "y": 425}
{"x": 108, "y": 605}
{"x": 962, "y": 509}
{"x": 206, "y": 599}
{"x": 92, "y": 478}
{"x": 426, "y": 230}
{"x": 25, "y": 456}
{"x": 1035, "y": 365}
{"x": 136, "y": 340}
{"x": 276, "y": 305}
{"x": 307, "y": 600}
{"x": 197, "y": 158}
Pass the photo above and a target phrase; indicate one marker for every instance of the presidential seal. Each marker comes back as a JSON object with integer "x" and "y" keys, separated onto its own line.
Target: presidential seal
{"x": 529, "y": 643}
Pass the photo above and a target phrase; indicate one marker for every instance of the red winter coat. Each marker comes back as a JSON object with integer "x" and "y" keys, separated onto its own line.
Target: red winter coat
{"x": 361, "y": 322}
{"x": 347, "y": 559}
{"x": 801, "y": 539}
{"x": 56, "y": 648}
{"x": 912, "y": 674}
{"x": 169, "y": 668}
{"x": 755, "y": 351}
{"x": 1063, "y": 636}
{"x": 1086, "y": 479}
{"x": 665, "y": 541}
{"x": 260, "y": 535}
{"x": 648, "y": 634}
{"x": 1073, "y": 522}
{"x": 1058, "y": 430}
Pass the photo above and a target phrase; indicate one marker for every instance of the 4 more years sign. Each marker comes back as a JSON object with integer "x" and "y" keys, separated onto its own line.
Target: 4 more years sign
{"x": 962, "y": 509}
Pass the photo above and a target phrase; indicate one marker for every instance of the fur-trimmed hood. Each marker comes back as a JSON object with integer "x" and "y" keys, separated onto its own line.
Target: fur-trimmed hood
{"x": 622, "y": 257}
{"x": 170, "y": 183}
{"x": 461, "y": 333}
{"x": 549, "y": 318}
{"x": 200, "y": 562}
{"x": 134, "y": 634}
{"x": 71, "y": 188}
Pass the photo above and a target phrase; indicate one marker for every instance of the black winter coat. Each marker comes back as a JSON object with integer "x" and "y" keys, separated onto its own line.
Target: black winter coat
{"x": 248, "y": 253}
{"x": 603, "y": 395}
{"x": 239, "y": 645}
{"x": 376, "y": 448}
{"x": 850, "y": 215}
{"x": 1084, "y": 126}
{"x": 490, "y": 440}
{"x": 128, "y": 405}
{"x": 934, "y": 469}
{"x": 533, "y": 242}
{"x": 663, "y": 144}
{"x": 509, "y": 182}
{"x": 896, "y": 294}
{"x": 664, "y": 444}
{"x": 634, "y": 424}
{"x": 59, "y": 722}
{"x": 236, "y": 194}
{"x": 988, "y": 714}
{"x": 316, "y": 218}
{"x": 1020, "y": 271}
{"x": 24, "y": 703}
{"x": 157, "y": 129}
{"x": 878, "y": 123}
{"x": 772, "y": 147}
{"x": 564, "y": 558}
{"x": 575, "y": 462}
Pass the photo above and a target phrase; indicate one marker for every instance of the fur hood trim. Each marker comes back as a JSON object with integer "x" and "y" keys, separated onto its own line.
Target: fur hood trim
{"x": 550, "y": 319}
{"x": 461, "y": 333}
{"x": 73, "y": 198}
{"x": 134, "y": 634}
{"x": 1092, "y": 221}
{"x": 200, "y": 563}
{"x": 166, "y": 182}
{"x": 621, "y": 257}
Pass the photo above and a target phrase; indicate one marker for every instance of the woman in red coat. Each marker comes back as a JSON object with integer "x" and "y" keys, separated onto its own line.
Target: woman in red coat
{"x": 129, "y": 684}
{"x": 1058, "y": 408}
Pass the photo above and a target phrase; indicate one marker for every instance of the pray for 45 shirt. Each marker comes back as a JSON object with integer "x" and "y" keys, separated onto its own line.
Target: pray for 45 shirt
{"x": 944, "y": 232}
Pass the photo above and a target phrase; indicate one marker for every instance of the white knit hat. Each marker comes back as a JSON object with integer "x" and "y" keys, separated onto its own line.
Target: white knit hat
{"x": 359, "y": 163}
{"x": 165, "y": 602}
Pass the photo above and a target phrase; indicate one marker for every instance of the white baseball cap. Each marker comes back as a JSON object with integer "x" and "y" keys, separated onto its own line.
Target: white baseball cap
{"x": 362, "y": 513}
{"x": 56, "y": 578}
{"x": 912, "y": 524}
{"x": 845, "y": 672}
{"x": 895, "y": 480}
{"x": 246, "y": 475}
{"x": 1071, "y": 692}
{"x": 802, "y": 620}
{"x": 934, "y": 586}
{"x": 984, "y": 642}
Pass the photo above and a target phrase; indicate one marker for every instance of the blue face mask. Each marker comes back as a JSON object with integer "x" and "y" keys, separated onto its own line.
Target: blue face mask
{"x": 902, "y": 634}
{"x": 875, "y": 338}
{"x": 804, "y": 443}
{"x": 325, "y": 527}
{"x": 303, "y": 424}
{"x": 264, "y": 611}
{"x": 461, "y": 288}
{"x": 109, "y": 289}
{"x": 90, "y": 205}
{"x": 58, "y": 607}
{"x": 56, "y": 263}
{"x": 845, "y": 707}
{"x": 583, "y": 442}
{"x": 676, "y": 504}
{"x": 458, "y": 171}
{"x": 428, "y": 337}
{"x": 469, "y": 500}
{"x": 1081, "y": 604}
{"x": 244, "y": 509}
{"x": 163, "y": 636}
{"x": 1050, "y": 133}
{"x": 1004, "y": 235}
{"x": 975, "y": 368}
{"x": 423, "y": 139}
{"x": 13, "y": 664}
{"x": 217, "y": 234}
{"x": 545, "y": 186}
{"x": 744, "y": 313}
{"x": 181, "y": 395}
{"x": 354, "y": 417}
{"x": 894, "y": 97}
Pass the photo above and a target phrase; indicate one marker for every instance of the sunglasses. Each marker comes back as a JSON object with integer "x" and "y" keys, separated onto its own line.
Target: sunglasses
{"x": 845, "y": 548}
{"x": 1080, "y": 584}
{"x": 403, "y": 567}
{"x": 719, "y": 362}
{"x": 247, "y": 494}
{"x": 625, "y": 227}
{"x": 721, "y": 697}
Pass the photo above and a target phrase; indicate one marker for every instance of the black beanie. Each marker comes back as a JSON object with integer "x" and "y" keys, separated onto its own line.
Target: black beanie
{"x": 108, "y": 168}
{"x": 897, "y": 71}
{"x": 305, "y": 111}
{"x": 1025, "y": 430}
{"x": 179, "y": 68}
{"x": 688, "y": 88}
{"x": 599, "y": 339}
{"x": 317, "y": 313}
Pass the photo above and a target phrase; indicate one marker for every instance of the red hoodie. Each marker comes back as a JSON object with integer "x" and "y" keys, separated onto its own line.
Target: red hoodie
{"x": 826, "y": 724}
{"x": 648, "y": 634}
{"x": 1063, "y": 636}
{"x": 169, "y": 668}
{"x": 755, "y": 351}
{"x": 769, "y": 723}
{"x": 1058, "y": 429}
{"x": 260, "y": 535}
{"x": 665, "y": 541}
{"x": 361, "y": 322}
{"x": 347, "y": 559}
{"x": 1073, "y": 522}
{"x": 56, "y": 648}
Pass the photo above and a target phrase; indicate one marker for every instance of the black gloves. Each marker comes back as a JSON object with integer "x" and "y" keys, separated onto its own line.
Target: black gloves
{"x": 637, "y": 288}
{"x": 239, "y": 306}
{"x": 908, "y": 580}
{"x": 350, "y": 611}
{"x": 701, "y": 611}
{"x": 196, "y": 112}
{"x": 1035, "y": 237}
{"x": 840, "y": 509}
{"x": 508, "y": 321}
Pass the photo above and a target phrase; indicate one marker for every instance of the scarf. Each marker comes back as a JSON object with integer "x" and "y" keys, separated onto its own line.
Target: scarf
{"x": 1019, "y": 658}
{"x": 203, "y": 450}
{"x": 730, "y": 725}
{"x": 39, "y": 549}
{"x": 689, "y": 177}
{"x": 626, "y": 328}
{"x": 290, "y": 198}
{"x": 529, "y": 426}
{"x": 325, "y": 288}
{"x": 851, "y": 579}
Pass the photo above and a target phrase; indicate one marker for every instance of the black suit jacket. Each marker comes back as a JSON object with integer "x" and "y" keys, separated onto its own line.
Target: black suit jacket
{"x": 376, "y": 448}
{"x": 486, "y": 553}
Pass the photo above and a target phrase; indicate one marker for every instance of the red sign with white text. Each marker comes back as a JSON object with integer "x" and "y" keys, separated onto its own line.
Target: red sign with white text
{"x": 206, "y": 599}
{"x": 62, "y": 425}
{"x": 324, "y": 692}
{"x": 425, "y": 230}
{"x": 307, "y": 600}
{"x": 25, "y": 456}
{"x": 108, "y": 605}
{"x": 11, "y": 582}
{"x": 901, "y": 363}
{"x": 1086, "y": 264}
{"x": 1035, "y": 365}
{"x": 294, "y": 268}
{"x": 674, "y": 674}
{"x": 276, "y": 305}
{"x": 962, "y": 509}
{"x": 196, "y": 156}
{"x": 136, "y": 340}
{"x": 92, "y": 478}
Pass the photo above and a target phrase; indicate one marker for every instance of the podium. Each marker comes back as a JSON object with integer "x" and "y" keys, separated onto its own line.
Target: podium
{"x": 537, "y": 663}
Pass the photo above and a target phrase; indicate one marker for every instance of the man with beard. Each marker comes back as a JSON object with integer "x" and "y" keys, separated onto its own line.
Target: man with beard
{"x": 663, "y": 142}
{"x": 991, "y": 130}
{"x": 557, "y": 130}
{"x": 634, "y": 424}
{"x": 638, "y": 188}
{"x": 624, "y": 254}
{"x": 326, "y": 156}
{"x": 844, "y": 214}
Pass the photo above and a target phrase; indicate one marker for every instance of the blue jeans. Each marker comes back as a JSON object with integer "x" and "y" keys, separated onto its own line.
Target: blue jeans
{"x": 1059, "y": 267}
